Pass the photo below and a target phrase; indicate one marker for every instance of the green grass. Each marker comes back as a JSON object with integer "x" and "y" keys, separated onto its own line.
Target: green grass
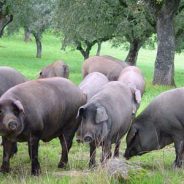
{"x": 157, "y": 164}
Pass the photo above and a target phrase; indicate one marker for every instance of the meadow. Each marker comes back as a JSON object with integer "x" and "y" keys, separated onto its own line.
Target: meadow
{"x": 157, "y": 165}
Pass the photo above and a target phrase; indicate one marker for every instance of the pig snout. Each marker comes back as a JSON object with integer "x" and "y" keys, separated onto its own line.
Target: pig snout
{"x": 88, "y": 138}
{"x": 12, "y": 125}
{"x": 126, "y": 156}
{"x": 78, "y": 140}
{"x": 79, "y": 136}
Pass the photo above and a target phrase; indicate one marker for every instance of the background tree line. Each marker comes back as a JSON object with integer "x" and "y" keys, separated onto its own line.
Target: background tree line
{"x": 83, "y": 23}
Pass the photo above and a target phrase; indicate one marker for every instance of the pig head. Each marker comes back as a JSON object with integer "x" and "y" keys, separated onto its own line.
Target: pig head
{"x": 95, "y": 123}
{"x": 11, "y": 118}
{"x": 141, "y": 139}
{"x": 56, "y": 69}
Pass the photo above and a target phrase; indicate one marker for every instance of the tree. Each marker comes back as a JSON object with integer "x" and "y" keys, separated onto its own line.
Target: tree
{"x": 5, "y": 16}
{"x": 34, "y": 16}
{"x": 164, "y": 12}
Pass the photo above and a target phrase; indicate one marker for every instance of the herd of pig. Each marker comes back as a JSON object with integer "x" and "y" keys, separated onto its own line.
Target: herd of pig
{"x": 100, "y": 111}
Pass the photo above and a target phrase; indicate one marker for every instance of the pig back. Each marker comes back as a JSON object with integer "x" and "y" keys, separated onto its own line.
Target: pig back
{"x": 61, "y": 69}
{"x": 56, "y": 69}
{"x": 133, "y": 75}
{"x": 122, "y": 63}
{"x": 104, "y": 65}
{"x": 167, "y": 107}
{"x": 92, "y": 83}
{"x": 9, "y": 77}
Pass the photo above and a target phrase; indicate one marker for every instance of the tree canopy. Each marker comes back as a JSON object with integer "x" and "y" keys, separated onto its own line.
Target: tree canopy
{"x": 85, "y": 23}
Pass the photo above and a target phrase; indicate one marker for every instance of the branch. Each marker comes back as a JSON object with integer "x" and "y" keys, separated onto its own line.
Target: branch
{"x": 171, "y": 6}
{"x": 179, "y": 33}
{"x": 180, "y": 9}
{"x": 150, "y": 21}
{"x": 10, "y": 20}
{"x": 153, "y": 6}
{"x": 104, "y": 39}
{"x": 79, "y": 47}
{"x": 123, "y": 3}
{"x": 89, "y": 45}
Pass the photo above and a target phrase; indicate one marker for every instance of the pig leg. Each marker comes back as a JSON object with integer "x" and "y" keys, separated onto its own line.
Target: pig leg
{"x": 92, "y": 160}
{"x": 179, "y": 149}
{"x": 116, "y": 150}
{"x": 33, "y": 152}
{"x": 14, "y": 147}
{"x": 106, "y": 151}
{"x": 7, "y": 153}
{"x": 66, "y": 143}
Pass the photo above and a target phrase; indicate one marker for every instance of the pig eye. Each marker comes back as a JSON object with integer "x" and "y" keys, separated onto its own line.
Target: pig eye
{"x": 1, "y": 112}
{"x": 16, "y": 111}
{"x": 40, "y": 73}
{"x": 84, "y": 116}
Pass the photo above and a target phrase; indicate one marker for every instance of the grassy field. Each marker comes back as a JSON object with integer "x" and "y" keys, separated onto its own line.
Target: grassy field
{"x": 157, "y": 165}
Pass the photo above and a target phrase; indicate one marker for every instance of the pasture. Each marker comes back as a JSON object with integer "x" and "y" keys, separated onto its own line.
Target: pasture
{"x": 157, "y": 165}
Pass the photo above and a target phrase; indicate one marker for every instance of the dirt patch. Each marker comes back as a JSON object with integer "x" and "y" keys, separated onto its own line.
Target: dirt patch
{"x": 72, "y": 173}
{"x": 121, "y": 168}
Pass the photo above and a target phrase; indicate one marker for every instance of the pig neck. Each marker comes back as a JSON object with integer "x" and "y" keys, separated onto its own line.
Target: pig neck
{"x": 157, "y": 138}
{"x": 144, "y": 121}
{"x": 154, "y": 129}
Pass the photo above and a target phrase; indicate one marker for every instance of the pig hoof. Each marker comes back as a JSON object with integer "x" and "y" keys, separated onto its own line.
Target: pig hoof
{"x": 92, "y": 165}
{"x": 62, "y": 165}
{"x": 178, "y": 164}
{"x": 4, "y": 169}
{"x": 116, "y": 155}
{"x": 36, "y": 172}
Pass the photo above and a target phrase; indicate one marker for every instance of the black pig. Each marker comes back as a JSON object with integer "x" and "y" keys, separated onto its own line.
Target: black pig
{"x": 160, "y": 124}
{"x": 39, "y": 110}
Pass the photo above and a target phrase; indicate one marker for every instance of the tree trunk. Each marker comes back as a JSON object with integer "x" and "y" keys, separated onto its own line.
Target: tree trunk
{"x": 133, "y": 52}
{"x": 99, "y": 45}
{"x": 27, "y": 35}
{"x": 38, "y": 45}
{"x": 86, "y": 55}
{"x": 84, "y": 52}
{"x": 164, "y": 64}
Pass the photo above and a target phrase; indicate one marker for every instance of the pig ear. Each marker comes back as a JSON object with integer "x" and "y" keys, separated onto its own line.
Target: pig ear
{"x": 132, "y": 133}
{"x": 19, "y": 105}
{"x": 101, "y": 115}
{"x": 40, "y": 75}
{"x": 136, "y": 92}
{"x": 65, "y": 68}
{"x": 137, "y": 96}
{"x": 80, "y": 111}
